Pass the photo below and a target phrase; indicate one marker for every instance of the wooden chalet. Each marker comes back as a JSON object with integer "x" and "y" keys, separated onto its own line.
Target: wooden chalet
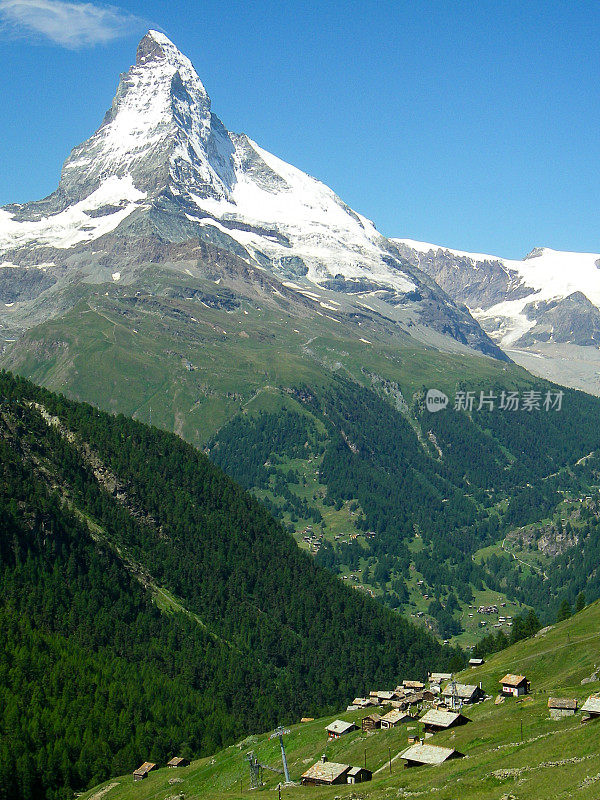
{"x": 592, "y": 707}
{"x": 340, "y": 728}
{"x": 142, "y": 772}
{"x": 384, "y": 697}
{"x": 462, "y": 692}
{"x": 562, "y": 707}
{"x": 326, "y": 773}
{"x": 364, "y": 702}
{"x": 515, "y": 685}
{"x": 393, "y": 718}
{"x": 476, "y": 662}
{"x": 428, "y": 754}
{"x": 358, "y": 775}
{"x": 437, "y": 678}
{"x": 438, "y": 720}
{"x": 415, "y": 699}
{"x": 371, "y": 722}
{"x": 178, "y": 761}
{"x": 416, "y": 686}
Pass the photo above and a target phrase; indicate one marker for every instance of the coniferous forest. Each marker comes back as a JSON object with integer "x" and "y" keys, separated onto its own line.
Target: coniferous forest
{"x": 150, "y": 606}
{"x": 460, "y": 480}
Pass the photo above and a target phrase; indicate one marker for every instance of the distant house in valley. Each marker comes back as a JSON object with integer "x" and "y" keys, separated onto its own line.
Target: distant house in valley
{"x": 340, "y": 728}
{"x": 562, "y": 707}
{"x": 515, "y": 685}
{"x": 371, "y": 722}
{"x": 476, "y": 662}
{"x": 142, "y": 772}
{"x": 462, "y": 692}
{"x": 438, "y": 720}
{"x": 428, "y": 754}
{"x": 393, "y": 718}
{"x": 178, "y": 762}
{"x": 592, "y": 707}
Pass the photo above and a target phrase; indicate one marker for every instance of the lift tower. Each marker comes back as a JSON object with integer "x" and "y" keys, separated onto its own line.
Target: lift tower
{"x": 279, "y": 733}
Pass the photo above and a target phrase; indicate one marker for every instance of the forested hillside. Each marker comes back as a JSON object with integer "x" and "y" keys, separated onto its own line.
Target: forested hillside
{"x": 149, "y": 605}
{"x": 432, "y": 497}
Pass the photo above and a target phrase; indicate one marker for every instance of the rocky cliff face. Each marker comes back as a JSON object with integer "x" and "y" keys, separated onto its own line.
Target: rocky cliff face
{"x": 163, "y": 168}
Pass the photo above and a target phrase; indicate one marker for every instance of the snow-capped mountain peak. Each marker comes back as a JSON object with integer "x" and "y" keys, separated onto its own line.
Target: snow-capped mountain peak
{"x": 163, "y": 166}
{"x": 160, "y": 130}
{"x": 544, "y": 310}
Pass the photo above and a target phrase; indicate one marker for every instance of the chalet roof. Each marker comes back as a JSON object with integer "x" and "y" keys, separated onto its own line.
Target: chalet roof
{"x": 416, "y": 697}
{"x": 386, "y": 695}
{"x": 563, "y": 702}
{"x": 413, "y": 684}
{"x": 327, "y": 771}
{"x": 513, "y": 680}
{"x": 340, "y": 726}
{"x": 362, "y": 701}
{"x": 438, "y": 677}
{"x": 439, "y": 718}
{"x": 464, "y": 691}
{"x": 394, "y": 716}
{"x": 427, "y": 753}
{"x": 146, "y": 767}
{"x": 592, "y": 705}
{"x": 374, "y": 717}
{"x": 475, "y": 662}
{"x": 175, "y": 762}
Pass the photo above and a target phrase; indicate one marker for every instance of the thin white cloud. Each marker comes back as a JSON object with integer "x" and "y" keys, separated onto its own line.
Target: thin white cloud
{"x": 71, "y": 25}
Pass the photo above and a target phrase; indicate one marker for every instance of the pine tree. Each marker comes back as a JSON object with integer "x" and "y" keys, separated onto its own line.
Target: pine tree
{"x": 564, "y": 612}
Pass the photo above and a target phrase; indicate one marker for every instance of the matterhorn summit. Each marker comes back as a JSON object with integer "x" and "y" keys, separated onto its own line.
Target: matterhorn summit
{"x": 159, "y": 133}
{"x": 162, "y": 171}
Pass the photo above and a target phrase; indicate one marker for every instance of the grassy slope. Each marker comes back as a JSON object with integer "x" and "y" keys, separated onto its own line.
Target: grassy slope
{"x": 134, "y": 358}
{"x": 558, "y": 759}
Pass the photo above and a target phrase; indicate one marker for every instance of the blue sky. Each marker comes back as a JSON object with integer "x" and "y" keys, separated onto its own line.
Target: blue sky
{"x": 470, "y": 124}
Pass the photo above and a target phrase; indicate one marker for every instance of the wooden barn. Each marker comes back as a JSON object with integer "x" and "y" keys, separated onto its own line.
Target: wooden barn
{"x": 358, "y": 775}
{"x": 325, "y": 773}
{"x": 142, "y": 772}
{"x": 437, "y": 678}
{"x": 340, "y": 728}
{"x": 178, "y": 761}
{"x": 438, "y": 720}
{"x": 515, "y": 685}
{"x": 371, "y": 722}
{"x": 562, "y": 707}
{"x": 428, "y": 754}
{"x": 462, "y": 693}
{"x": 592, "y": 707}
{"x": 393, "y": 718}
